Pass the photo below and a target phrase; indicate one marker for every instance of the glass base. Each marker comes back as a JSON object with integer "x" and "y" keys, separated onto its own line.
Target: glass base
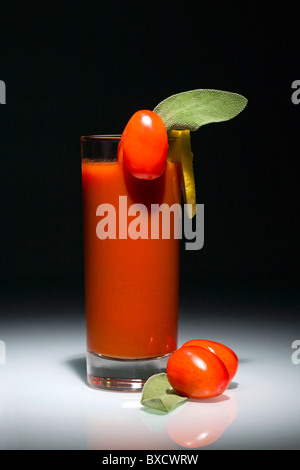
{"x": 117, "y": 374}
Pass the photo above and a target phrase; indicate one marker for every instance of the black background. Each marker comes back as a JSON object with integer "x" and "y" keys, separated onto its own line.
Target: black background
{"x": 75, "y": 68}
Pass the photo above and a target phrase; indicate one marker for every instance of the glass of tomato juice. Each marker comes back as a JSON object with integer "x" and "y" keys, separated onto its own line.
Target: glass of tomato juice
{"x": 131, "y": 271}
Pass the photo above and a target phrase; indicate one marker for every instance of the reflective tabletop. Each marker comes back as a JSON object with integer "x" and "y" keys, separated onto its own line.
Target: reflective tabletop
{"x": 47, "y": 404}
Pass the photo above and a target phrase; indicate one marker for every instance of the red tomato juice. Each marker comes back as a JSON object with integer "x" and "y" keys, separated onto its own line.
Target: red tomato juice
{"x": 131, "y": 285}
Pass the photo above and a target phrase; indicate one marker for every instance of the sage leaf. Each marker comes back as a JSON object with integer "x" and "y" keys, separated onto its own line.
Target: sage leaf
{"x": 195, "y": 108}
{"x": 159, "y": 395}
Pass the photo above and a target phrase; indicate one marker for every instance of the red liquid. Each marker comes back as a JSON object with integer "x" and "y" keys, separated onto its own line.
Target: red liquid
{"x": 131, "y": 286}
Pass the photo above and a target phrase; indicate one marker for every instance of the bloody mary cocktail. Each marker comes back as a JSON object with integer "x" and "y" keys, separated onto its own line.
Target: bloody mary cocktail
{"x": 131, "y": 282}
{"x": 132, "y": 270}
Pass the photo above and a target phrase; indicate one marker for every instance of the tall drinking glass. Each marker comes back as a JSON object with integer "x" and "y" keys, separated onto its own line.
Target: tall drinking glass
{"x": 131, "y": 264}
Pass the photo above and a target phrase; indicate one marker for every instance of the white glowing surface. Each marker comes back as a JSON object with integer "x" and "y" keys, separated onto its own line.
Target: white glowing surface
{"x": 46, "y": 404}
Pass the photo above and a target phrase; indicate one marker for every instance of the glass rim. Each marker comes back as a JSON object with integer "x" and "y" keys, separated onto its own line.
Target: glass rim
{"x": 98, "y": 137}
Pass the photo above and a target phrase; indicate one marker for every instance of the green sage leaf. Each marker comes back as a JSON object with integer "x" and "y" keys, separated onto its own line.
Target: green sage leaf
{"x": 159, "y": 395}
{"x": 195, "y": 108}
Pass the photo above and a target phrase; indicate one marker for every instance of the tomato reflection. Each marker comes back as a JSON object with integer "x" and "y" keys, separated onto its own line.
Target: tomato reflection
{"x": 201, "y": 423}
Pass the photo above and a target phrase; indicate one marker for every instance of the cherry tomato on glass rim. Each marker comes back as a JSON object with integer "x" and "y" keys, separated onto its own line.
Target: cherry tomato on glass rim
{"x": 227, "y": 356}
{"x": 145, "y": 145}
{"x": 197, "y": 373}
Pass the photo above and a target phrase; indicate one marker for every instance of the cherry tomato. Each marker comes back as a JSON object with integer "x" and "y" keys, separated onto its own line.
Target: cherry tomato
{"x": 227, "y": 356}
{"x": 145, "y": 145}
{"x": 195, "y": 372}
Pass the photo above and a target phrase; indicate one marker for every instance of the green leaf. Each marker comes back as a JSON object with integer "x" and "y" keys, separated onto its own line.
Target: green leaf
{"x": 159, "y": 395}
{"x": 195, "y": 108}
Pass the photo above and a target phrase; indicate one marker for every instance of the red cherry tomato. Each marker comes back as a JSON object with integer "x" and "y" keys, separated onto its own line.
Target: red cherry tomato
{"x": 227, "y": 356}
{"x": 195, "y": 372}
{"x": 145, "y": 145}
